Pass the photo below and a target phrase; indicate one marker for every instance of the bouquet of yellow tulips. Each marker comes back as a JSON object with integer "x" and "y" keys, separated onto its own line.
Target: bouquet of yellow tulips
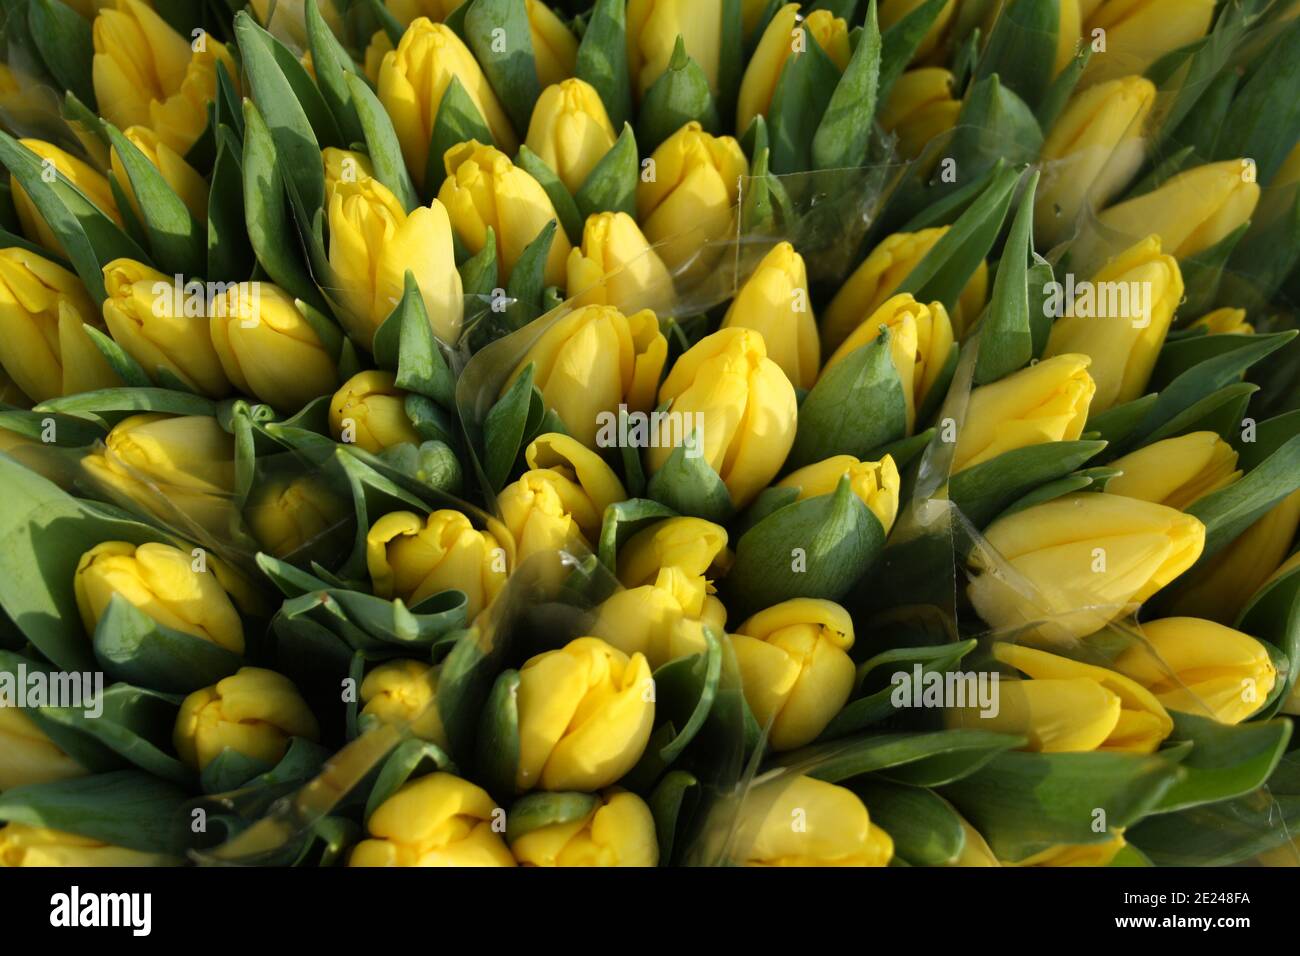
{"x": 649, "y": 432}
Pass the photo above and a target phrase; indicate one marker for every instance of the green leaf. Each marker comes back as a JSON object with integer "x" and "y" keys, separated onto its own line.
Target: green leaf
{"x": 478, "y": 275}
{"x": 1225, "y": 760}
{"x": 133, "y": 647}
{"x": 679, "y": 95}
{"x": 1228, "y": 512}
{"x": 538, "y": 810}
{"x": 565, "y": 206}
{"x": 175, "y": 237}
{"x": 497, "y": 759}
{"x": 927, "y": 759}
{"x": 505, "y": 427}
{"x": 984, "y": 491}
{"x": 528, "y": 279}
{"x": 924, "y": 827}
{"x": 672, "y": 803}
{"x": 1021, "y": 48}
{"x": 229, "y": 254}
{"x": 458, "y": 121}
{"x": 688, "y": 485}
{"x": 64, "y": 40}
{"x": 842, "y": 134}
{"x": 1203, "y": 273}
{"x": 611, "y": 187}
{"x": 1115, "y": 424}
{"x": 381, "y": 141}
{"x": 1062, "y": 88}
{"x": 602, "y": 59}
{"x": 900, "y": 42}
{"x": 508, "y": 64}
{"x": 1264, "y": 121}
{"x": 624, "y": 519}
{"x": 405, "y": 344}
{"x": 128, "y": 369}
{"x": 803, "y": 93}
{"x": 410, "y": 759}
{"x": 1006, "y": 338}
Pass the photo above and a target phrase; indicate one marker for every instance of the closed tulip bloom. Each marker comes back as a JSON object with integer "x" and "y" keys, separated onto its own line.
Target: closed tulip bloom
{"x": 663, "y": 620}
{"x": 1081, "y": 560}
{"x": 653, "y": 27}
{"x": 570, "y": 131}
{"x": 435, "y": 820}
{"x": 795, "y": 668}
{"x": 370, "y": 412}
{"x": 1044, "y": 402}
{"x": 1069, "y": 707}
{"x": 616, "y": 266}
{"x": 878, "y": 278}
{"x": 777, "y": 44}
{"x": 147, "y": 74}
{"x": 413, "y": 559}
{"x": 380, "y": 46}
{"x": 403, "y": 693}
{"x": 555, "y": 48}
{"x": 1176, "y": 471}
{"x": 690, "y": 200}
{"x": 259, "y": 334}
{"x": 160, "y": 581}
{"x": 28, "y": 756}
{"x": 344, "y": 166}
{"x": 1224, "y": 322}
{"x": 875, "y": 483}
{"x": 1091, "y": 153}
{"x": 90, "y": 181}
{"x": 1139, "y": 32}
{"x": 407, "y": 11}
{"x": 374, "y": 243}
{"x": 1118, "y": 333}
{"x": 591, "y": 361}
{"x": 1198, "y": 665}
{"x": 155, "y": 327}
{"x": 413, "y": 79}
{"x": 289, "y": 515}
{"x": 176, "y": 172}
{"x": 748, "y": 406}
{"x": 920, "y": 107}
{"x": 25, "y": 845}
{"x": 619, "y": 831}
{"x": 891, "y": 11}
{"x": 254, "y": 712}
{"x": 483, "y": 188}
{"x": 44, "y": 347}
{"x": 802, "y": 821}
{"x": 774, "y": 301}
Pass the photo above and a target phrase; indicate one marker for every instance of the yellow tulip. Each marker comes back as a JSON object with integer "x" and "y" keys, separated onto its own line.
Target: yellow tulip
{"x": 781, "y": 38}
{"x": 160, "y": 329}
{"x": 1122, "y": 333}
{"x": 403, "y": 693}
{"x": 44, "y": 347}
{"x": 28, "y": 756}
{"x": 555, "y": 48}
{"x": 688, "y": 202}
{"x": 413, "y": 79}
{"x": 619, "y": 831}
{"x": 370, "y": 411}
{"x": 570, "y": 131}
{"x": 259, "y": 334}
{"x": 176, "y": 172}
{"x": 891, "y": 11}
{"x": 1091, "y": 153}
{"x": 435, "y": 820}
{"x": 1139, "y": 32}
{"x": 483, "y": 188}
{"x": 774, "y": 301}
{"x": 878, "y": 278}
{"x": 413, "y": 559}
{"x": 653, "y": 27}
{"x": 1068, "y": 706}
{"x": 407, "y": 11}
{"x": 1076, "y": 563}
{"x": 380, "y": 45}
{"x": 745, "y": 407}
{"x": 343, "y": 166}
{"x": 253, "y": 712}
{"x": 1224, "y": 322}
{"x": 1176, "y": 471}
{"x": 1044, "y": 402}
{"x": 593, "y": 360}
{"x": 25, "y": 845}
{"x": 795, "y": 669}
{"x": 90, "y": 181}
{"x": 920, "y": 107}
{"x": 1076, "y": 854}
{"x": 802, "y": 821}
{"x": 664, "y": 619}
{"x": 147, "y": 74}
{"x": 289, "y": 515}
{"x": 616, "y": 266}
{"x": 875, "y": 483}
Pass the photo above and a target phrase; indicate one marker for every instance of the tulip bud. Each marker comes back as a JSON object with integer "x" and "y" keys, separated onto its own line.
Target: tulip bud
{"x": 160, "y": 581}
{"x": 484, "y": 189}
{"x": 555, "y": 48}
{"x": 147, "y": 74}
{"x": 920, "y": 107}
{"x": 435, "y": 820}
{"x": 1176, "y": 471}
{"x": 1076, "y": 854}
{"x": 288, "y": 516}
{"x": 879, "y": 276}
{"x": 920, "y": 343}
{"x": 1079, "y": 562}
{"x": 413, "y": 79}
{"x": 1068, "y": 706}
{"x": 653, "y": 27}
{"x": 802, "y": 821}
{"x": 1091, "y": 153}
{"x": 593, "y": 360}
{"x": 44, "y": 347}
{"x": 1122, "y": 334}
{"x": 407, "y": 11}
{"x": 1044, "y": 402}
{"x": 253, "y": 712}
{"x": 663, "y": 620}
{"x": 1199, "y": 664}
{"x": 745, "y": 406}
{"x": 25, "y": 845}
{"x": 403, "y": 693}
{"x": 90, "y": 181}
{"x": 413, "y": 559}
{"x": 28, "y": 756}
{"x": 258, "y": 333}
{"x": 774, "y": 301}
{"x": 176, "y": 172}
{"x": 585, "y": 715}
{"x": 891, "y": 11}
{"x": 616, "y": 266}
{"x": 152, "y": 323}
{"x": 688, "y": 200}
{"x": 775, "y": 47}
{"x": 618, "y": 831}
{"x": 1224, "y": 322}
{"x": 380, "y": 45}
{"x": 1139, "y": 32}
{"x": 370, "y": 412}
{"x": 344, "y": 166}
{"x": 570, "y": 131}
{"x": 794, "y": 668}
{"x": 875, "y": 483}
